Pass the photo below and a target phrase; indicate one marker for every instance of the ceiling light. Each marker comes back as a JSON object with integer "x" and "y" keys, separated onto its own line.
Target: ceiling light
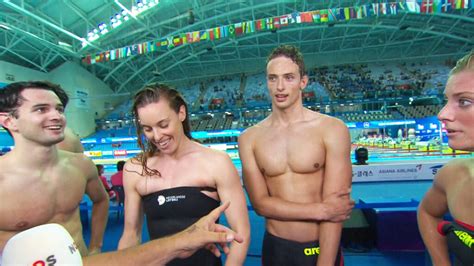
{"x": 64, "y": 44}
{"x": 3, "y": 26}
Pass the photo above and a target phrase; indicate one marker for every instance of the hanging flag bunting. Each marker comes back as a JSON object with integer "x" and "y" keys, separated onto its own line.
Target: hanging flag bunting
{"x": 231, "y": 30}
{"x": 306, "y": 17}
{"x": 324, "y": 15}
{"x": 331, "y": 15}
{"x": 238, "y": 28}
{"x": 269, "y": 23}
{"x": 316, "y": 16}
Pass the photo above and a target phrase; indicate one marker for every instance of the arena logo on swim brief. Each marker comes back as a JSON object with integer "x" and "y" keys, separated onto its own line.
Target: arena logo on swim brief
{"x": 311, "y": 251}
{"x": 465, "y": 238}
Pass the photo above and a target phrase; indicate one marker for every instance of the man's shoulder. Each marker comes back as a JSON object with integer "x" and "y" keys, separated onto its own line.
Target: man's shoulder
{"x": 75, "y": 158}
{"x": 3, "y": 165}
{"x": 330, "y": 120}
{"x": 77, "y": 163}
{"x": 325, "y": 122}
{"x": 9, "y": 162}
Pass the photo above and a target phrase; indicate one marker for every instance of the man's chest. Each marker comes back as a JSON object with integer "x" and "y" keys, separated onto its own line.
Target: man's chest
{"x": 296, "y": 152}
{"x": 43, "y": 200}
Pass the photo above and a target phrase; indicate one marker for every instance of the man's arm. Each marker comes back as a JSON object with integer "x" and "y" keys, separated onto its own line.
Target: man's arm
{"x": 430, "y": 212}
{"x": 337, "y": 176}
{"x": 180, "y": 245}
{"x": 100, "y": 208}
{"x": 132, "y": 231}
{"x": 230, "y": 190}
{"x": 204, "y": 232}
{"x": 334, "y": 208}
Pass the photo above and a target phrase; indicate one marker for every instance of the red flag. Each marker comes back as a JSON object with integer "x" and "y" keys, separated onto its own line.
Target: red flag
{"x": 306, "y": 17}
{"x": 276, "y": 22}
{"x": 238, "y": 28}
{"x": 211, "y": 34}
{"x": 189, "y": 37}
{"x": 427, "y": 6}
{"x": 87, "y": 60}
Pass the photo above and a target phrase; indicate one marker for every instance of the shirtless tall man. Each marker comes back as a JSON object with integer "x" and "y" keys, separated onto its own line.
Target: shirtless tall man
{"x": 297, "y": 170}
{"x": 40, "y": 184}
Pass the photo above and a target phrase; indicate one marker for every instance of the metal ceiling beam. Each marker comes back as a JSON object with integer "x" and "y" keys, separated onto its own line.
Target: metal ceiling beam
{"x": 79, "y": 12}
{"x": 37, "y": 38}
{"x": 44, "y": 21}
{"x": 11, "y": 45}
{"x": 24, "y": 58}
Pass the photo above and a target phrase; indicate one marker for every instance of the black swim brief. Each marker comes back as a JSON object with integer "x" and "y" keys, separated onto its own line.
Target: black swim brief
{"x": 460, "y": 240}
{"x": 277, "y": 251}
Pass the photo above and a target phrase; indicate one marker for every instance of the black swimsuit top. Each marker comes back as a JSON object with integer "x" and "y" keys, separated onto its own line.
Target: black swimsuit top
{"x": 172, "y": 210}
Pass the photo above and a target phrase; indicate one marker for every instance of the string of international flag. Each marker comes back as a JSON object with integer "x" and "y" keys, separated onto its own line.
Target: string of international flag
{"x": 234, "y": 30}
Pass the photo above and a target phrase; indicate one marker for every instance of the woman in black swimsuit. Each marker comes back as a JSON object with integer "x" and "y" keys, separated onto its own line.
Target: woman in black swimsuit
{"x": 176, "y": 180}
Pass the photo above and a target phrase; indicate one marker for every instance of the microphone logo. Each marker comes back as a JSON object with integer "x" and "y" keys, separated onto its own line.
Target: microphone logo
{"x": 50, "y": 261}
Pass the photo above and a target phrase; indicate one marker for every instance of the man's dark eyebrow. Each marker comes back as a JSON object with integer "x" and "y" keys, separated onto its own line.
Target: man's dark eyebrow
{"x": 284, "y": 74}
{"x": 46, "y": 105}
{"x": 39, "y": 105}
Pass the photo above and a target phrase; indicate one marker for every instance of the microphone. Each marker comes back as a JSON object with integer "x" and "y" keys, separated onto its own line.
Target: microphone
{"x": 48, "y": 244}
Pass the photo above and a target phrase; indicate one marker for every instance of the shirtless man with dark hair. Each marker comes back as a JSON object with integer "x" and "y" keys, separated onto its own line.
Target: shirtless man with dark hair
{"x": 39, "y": 183}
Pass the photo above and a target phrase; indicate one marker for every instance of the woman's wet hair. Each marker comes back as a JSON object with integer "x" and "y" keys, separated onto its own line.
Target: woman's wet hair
{"x": 152, "y": 94}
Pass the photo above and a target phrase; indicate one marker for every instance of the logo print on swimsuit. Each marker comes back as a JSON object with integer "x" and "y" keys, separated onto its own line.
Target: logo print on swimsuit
{"x": 311, "y": 251}
{"x": 161, "y": 199}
